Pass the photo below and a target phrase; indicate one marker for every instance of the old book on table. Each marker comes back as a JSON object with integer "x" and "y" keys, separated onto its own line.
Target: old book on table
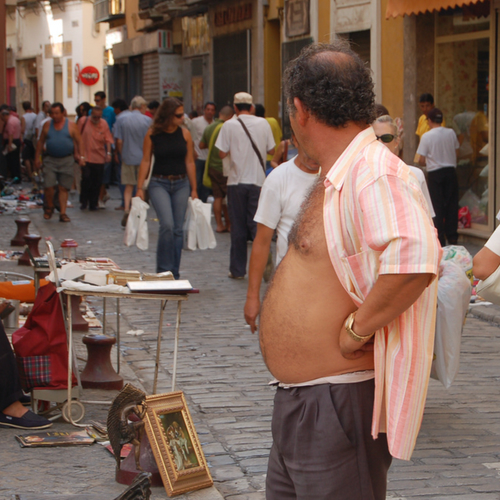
{"x": 165, "y": 286}
{"x": 55, "y": 438}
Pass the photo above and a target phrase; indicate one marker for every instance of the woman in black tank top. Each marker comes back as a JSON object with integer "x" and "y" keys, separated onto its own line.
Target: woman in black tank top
{"x": 173, "y": 180}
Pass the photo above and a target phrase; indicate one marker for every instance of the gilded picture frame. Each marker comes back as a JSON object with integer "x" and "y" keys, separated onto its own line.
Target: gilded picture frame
{"x": 175, "y": 444}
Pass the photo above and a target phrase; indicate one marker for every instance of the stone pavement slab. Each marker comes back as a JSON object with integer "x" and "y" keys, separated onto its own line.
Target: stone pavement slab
{"x": 222, "y": 374}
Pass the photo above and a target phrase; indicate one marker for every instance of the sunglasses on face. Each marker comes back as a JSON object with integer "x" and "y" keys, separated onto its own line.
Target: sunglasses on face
{"x": 386, "y": 138}
{"x": 179, "y": 115}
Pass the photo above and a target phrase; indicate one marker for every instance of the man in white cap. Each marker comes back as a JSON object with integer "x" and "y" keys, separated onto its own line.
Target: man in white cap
{"x": 248, "y": 139}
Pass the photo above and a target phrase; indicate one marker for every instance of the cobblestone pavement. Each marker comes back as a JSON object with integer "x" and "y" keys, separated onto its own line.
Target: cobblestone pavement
{"x": 222, "y": 374}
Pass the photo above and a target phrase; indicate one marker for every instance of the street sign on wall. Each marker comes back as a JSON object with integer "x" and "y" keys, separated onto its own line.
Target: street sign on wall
{"x": 89, "y": 75}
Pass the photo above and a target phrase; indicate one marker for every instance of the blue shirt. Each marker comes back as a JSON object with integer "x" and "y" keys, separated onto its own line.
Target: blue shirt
{"x": 132, "y": 129}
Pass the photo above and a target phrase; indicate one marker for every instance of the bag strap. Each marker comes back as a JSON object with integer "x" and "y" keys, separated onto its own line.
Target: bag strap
{"x": 84, "y": 124}
{"x": 257, "y": 152}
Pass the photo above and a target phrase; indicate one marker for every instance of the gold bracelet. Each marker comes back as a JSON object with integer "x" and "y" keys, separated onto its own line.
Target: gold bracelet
{"x": 354, "y": 336}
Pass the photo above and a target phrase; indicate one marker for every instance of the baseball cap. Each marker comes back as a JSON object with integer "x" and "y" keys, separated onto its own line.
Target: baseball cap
{"x": 243, "y": 98}
{"x": 435, "y": 115}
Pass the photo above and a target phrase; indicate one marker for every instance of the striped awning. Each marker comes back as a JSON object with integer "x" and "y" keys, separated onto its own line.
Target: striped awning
{"x": 397, "y": 8}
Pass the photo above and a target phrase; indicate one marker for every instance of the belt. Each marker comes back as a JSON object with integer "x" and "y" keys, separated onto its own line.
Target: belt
{"x": 170, "y": 177}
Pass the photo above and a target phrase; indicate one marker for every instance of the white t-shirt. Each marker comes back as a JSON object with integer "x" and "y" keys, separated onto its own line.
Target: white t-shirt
{"x": 245, "y": 165}
{"x": 494, "y": 242}
{"x": 42, "y": 123}
{"x": 439, "y": 146}
{"x": 280, "y": 200}
{"x": 423, "y": 186}
{"x": 29, "y": 130}
{"x": 200, "y": 124}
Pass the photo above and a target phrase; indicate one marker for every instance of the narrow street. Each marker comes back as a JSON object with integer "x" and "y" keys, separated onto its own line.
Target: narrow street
{"x": 223, "y": 376}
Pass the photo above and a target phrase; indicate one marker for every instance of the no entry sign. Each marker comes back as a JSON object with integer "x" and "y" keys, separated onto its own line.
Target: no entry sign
{"x": 89, "y": 75}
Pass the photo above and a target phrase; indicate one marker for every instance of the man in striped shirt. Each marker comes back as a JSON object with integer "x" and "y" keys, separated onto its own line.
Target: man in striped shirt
{"x": 347, "y": 325}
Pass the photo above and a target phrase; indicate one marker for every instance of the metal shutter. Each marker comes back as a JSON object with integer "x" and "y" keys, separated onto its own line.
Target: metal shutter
{"x": 150, "y": 76}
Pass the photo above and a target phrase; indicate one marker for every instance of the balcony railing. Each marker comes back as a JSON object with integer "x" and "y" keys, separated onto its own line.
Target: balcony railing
{"x": 109, "y": 10}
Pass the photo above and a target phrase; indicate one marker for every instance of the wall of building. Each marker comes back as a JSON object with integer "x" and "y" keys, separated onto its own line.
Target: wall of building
{"x": 392, "y": 62}
{"x": 40, "y": 35}
{"x": 132, "y": 19}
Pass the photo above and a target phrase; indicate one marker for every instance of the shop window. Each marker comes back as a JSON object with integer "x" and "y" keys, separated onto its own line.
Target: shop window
{"x": 462, "y": 93}
{"x": 468, "y": 19}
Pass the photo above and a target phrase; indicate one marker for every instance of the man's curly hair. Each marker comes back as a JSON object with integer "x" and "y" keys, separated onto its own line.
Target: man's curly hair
{"x": 333, "y": 84}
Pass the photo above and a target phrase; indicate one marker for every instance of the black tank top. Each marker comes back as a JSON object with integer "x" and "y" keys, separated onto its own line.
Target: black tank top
{"x": 170, "y": 153}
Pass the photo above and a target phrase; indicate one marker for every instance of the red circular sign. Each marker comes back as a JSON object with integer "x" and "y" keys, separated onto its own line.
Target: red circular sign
{"x": 89, "y": 75}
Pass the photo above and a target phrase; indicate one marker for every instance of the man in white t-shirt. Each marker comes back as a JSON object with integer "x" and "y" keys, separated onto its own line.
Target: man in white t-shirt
{"x": 201, "y": 123}
{"x": 438, "y": 151}
{"x": 28, "y": 131}
{"x": 246, "y": 175}
{"x": 281, "y": 199}
{"x": 40, "y": 117}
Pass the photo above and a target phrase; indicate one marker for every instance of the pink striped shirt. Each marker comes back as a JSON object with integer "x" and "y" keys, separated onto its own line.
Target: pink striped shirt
{"x": 377, "y": 222}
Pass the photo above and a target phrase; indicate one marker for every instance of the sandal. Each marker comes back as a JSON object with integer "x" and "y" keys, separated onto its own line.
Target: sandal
{"x": 47, "y": 213}
{"x": 64, "y": 218}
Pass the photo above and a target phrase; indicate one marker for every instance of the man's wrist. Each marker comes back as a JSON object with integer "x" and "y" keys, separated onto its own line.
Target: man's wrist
{"x": 349, "y": 324}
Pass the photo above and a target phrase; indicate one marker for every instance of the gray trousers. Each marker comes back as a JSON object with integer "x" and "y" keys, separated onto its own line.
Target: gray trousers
{"x": 322, "y": 445}
{"x": 242, "y": 201}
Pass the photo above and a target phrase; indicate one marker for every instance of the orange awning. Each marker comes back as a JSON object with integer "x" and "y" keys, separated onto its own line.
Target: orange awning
{"x": 397, "y": 8}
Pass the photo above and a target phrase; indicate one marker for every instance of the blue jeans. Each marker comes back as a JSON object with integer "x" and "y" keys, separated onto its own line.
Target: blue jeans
{"x": 169, "y": 199}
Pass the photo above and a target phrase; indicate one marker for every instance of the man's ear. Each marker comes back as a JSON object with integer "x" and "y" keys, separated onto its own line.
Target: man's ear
{"x": 301, "y": 114}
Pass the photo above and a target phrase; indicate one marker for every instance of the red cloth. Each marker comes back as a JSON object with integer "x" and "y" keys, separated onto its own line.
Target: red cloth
{"x": 44, "y": 335}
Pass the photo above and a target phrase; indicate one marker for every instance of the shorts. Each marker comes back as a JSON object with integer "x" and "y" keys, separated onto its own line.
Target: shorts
{"x": 129, "y": 174}
{"x": 28, "y": 150}
{"x": 58, "y": 171}
{"x": 219, "y": 183}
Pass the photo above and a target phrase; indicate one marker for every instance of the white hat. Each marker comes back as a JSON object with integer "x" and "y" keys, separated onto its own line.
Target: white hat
{"x": 243, "y": 98}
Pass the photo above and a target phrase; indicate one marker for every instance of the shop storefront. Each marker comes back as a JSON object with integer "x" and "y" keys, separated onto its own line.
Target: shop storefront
{"x": 237, "y": 50}
{"x": 450, "y": 52}
{"x": 196, "y": 62}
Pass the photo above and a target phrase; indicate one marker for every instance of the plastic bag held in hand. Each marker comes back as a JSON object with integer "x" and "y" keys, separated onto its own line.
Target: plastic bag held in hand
{"x": 198, "y": 231}
{"x": 454, "y": 289}
{"x": 136, "y": 231}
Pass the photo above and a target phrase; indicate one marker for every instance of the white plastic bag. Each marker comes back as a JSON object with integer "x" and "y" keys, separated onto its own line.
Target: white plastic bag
{"x": 136, "y": 231}
{"x": 198, "y": 231}
{"x": 205, "y": 237}
{"x": 190, "y": 227}
{"x": 454, "y": 290}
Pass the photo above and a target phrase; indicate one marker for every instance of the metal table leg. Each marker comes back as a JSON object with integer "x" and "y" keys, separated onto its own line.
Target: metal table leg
{"x": 70, "y": 354}
{"x": 176, "y": 344}
{"x": 118, "y": 335}
{"x": 104, "y": 315}
{"x": 158, "y": 345}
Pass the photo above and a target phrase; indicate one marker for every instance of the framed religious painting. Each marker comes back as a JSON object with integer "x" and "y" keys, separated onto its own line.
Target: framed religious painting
{"x": 175, "y": 444}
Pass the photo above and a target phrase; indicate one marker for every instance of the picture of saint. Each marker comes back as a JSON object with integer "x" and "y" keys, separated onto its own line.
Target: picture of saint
{"x": 179, "y": 441}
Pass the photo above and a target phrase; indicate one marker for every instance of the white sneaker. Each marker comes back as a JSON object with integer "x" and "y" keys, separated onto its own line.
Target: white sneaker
{"x": 101, "y": 204}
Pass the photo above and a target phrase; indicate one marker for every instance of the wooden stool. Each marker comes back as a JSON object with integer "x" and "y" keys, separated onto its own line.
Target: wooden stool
{"x": 32, "y": 241}
{"x": 22, "y": 231}
{"x": 99, "y": 372}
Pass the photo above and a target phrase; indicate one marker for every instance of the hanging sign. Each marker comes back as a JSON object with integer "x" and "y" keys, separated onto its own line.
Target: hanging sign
{"x": 77, "y": 73}
{"x": 89, "y": 75}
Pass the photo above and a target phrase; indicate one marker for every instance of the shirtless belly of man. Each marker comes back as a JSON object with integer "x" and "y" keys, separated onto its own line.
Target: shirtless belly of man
{"x": 305, "y": 306}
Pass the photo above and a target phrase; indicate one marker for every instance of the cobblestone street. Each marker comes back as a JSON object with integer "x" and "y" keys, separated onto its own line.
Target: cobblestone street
{"x": 224, "y": 379}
